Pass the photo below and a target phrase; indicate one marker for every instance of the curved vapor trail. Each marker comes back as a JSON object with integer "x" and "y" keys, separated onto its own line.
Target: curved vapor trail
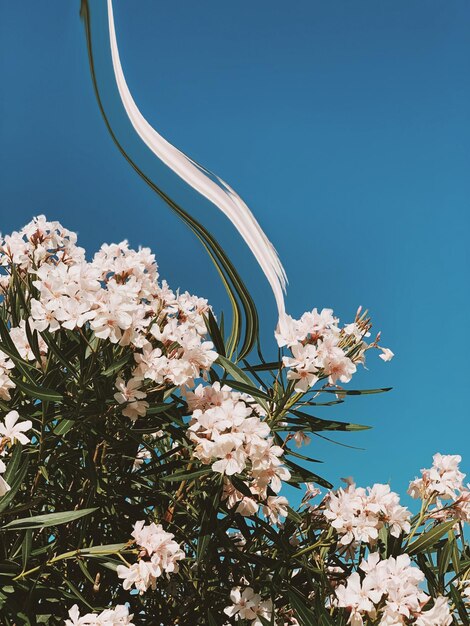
{"x": 198, "y": 177}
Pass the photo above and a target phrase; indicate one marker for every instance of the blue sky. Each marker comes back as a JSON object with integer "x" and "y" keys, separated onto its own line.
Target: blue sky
{"x": 346, "y": 128}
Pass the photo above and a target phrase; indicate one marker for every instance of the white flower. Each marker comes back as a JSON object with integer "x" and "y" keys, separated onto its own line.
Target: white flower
{"x": 162, "y": 551}
{"x": 438, "y": 615}
{"x": 301, "y": 439}
{"x": 358, "y": 514}
{"x": 466, "y": 589}
{"x": 393, "y": 580}
{"x": 288, "y": 332}
{"x": 20, "y": 339}
{"x": 74, "y": 615}
{"x": 229, "y": 434}
{"x": 4, "y": 486}
{"x": 443, "y": 480}
{"x": 311, "y": 491}
{"x": 321, "y": 349}
{"x": 247, "y": 506}
{"x": 275, "y": 508}
{"x": 119, "y": 616}
{"x": 232, "y": 459}
{"x": 13, "y": 430}
{"x": 387, "y": 354}
{"x": 248, "y": 605}
{"x": 143, "y": 454}
{"x": 139, "y": 575}
{"x": 5, "y": 385}
{"x": 130, "y": 394}
{"x": 304, "y": 366}
{"x": 356, "y": 597}
{"x": 338, "y": 366}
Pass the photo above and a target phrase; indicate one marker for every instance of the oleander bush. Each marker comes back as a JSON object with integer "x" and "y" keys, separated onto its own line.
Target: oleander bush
{"x": 146, "y": 466}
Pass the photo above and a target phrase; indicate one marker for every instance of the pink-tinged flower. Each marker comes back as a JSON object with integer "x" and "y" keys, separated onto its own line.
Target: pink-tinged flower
{"x": 301, "y": 439}
{"x": 5, "y": 385}
{"x": 387, "y": 354}
{"x": 20, "y": 339}
{"x": 73, "y": 313}
{"x": 275, "y": 508}
{"x": 357, "y": 598}
{"x": 74, "y": 615}
{"x": 14, "y": 430}
{"x": 138, "y": 575}
{"x": 119, "y": 616}
{"x": 131, "y": 395}
{"x": 160, "y": 554}
{"x": 443, "y": 480}
{"x": 248, "y": 605}
{"x": 311, "y": 491}
{"x": 438, "y": 615}
{"x": 304, "y": 366}
{"x": 4, "y": 486}
{"x": 466, "y": 590}
{"x": 338, "y": 367}
{"x": 390, "y": 588}
{"x": 288, "y": 332}
{"x": 358, "y": 514}
{"x": 232, "y": 459}
{"x": 244, "y": 505}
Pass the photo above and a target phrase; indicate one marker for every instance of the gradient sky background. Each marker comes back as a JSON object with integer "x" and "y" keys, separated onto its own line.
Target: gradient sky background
{"x": 346, "y": 128}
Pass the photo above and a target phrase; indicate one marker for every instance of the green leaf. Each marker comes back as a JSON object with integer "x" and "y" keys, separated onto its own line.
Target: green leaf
{"x": 355, "y": 392}
{"x": 38, "y": 393}
{"x": 300, "y": 474}
{"x": 85, "y": 571}
{"x": 430, "y": 537}
{"x": 249, "y": 389}
{"x": 234, "y": 371}
{"x": 58, "y": 353}
{"x": 64, "y": 426}
{"x": 112, "y": 548}
{"x": 293, "y": 515}
{"x": 211, "y": 621}
{"x": 303, "y": 612}
{"x": 205, "y": 533}
{"x": 49, "y": 519}
{"x": 460, "y": 605}
{"x": 319, "y": 424}
{"x": 239, "y": 375}
{"x": 445, "y": 555}
{"x": 215, "y": 333}
{"x": 14, "y": 477}
{"x": 186, "y": 476}
{"x": 117, "y": 365}
{"x": 26, "y": 548}
{"x": 242, "y": 487}
{"x": 264, "y": 367}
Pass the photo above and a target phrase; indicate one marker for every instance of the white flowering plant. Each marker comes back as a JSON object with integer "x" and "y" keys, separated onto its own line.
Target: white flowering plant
{"x": 146, "y": 461}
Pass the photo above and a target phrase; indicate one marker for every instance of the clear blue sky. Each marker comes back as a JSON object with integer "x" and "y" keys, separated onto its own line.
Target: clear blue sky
{"x": 344, "y": 125}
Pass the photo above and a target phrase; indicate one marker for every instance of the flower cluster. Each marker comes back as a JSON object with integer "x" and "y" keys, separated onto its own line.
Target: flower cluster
{"x": 158, "y": 554}
{"x": 228, "y": 432}
{"x": 118, "y": 616}
{"x": 5, "y": 381}
{"x": 117, "y": 295}
{"x": 358, "y": 514}
{"x": 11, "y": 431}
{"x": 443, "y": 481}
{"x": 389, "y": 590}
{"x": 248, "y": 605}
{"x": 320, "y": 349}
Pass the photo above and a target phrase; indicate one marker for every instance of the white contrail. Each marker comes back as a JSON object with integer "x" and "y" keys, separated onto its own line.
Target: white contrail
{"x": 222, "y": 195}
